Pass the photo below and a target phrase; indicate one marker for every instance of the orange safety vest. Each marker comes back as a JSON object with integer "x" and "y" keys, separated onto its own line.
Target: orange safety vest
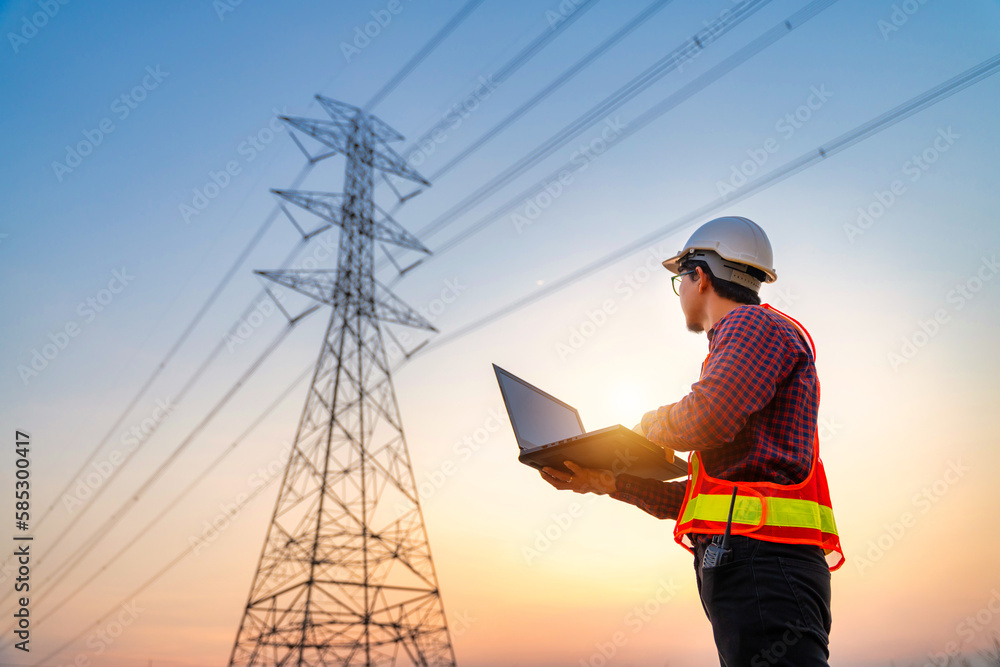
{"x": 790, "y": 513}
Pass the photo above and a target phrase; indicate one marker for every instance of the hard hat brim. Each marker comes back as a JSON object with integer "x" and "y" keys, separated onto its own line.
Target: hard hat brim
{"x": 673, "y": 264}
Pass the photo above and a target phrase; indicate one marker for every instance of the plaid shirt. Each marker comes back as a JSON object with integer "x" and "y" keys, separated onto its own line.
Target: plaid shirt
{"x": 752, "y": 415}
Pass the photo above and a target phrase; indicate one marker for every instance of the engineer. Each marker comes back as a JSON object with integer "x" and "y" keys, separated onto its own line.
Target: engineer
{"x": 750, "y": 422}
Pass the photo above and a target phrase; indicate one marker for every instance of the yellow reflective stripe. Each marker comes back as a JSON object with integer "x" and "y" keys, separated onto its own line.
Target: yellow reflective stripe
{"x": 798, "y": 513}
{"x": 781, "y": 512}
{"x": 715, "y": 507}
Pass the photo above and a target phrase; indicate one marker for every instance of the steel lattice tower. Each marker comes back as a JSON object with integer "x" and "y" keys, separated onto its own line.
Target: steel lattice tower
{"x": 345, "y": 576}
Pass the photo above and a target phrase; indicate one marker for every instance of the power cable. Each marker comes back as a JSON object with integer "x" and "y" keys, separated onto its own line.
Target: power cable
{"x": 639, "y": 123}
{"x": 914, "y": 105}
{"x": 601, "y": 110}
{"x": 553, "y": 86}
{"x": 519, "y": 60}
{"x": 77, "y": 556}
{"x": 180, "y": 496}
{"x": 149, "y": 582}
{"x": 418, "y": 58}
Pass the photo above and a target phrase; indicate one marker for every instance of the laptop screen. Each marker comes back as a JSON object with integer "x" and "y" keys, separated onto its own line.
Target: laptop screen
{"x": 538, "y": 418}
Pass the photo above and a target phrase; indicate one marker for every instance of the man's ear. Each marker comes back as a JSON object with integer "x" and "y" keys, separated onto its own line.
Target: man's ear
{"x": 703, "y": 281}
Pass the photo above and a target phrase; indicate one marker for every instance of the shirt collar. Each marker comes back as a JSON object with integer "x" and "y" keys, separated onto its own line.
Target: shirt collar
{"x": 711, "y": 332}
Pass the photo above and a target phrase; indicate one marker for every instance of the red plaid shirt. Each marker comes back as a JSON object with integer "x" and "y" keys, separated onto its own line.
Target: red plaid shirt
{"x": 752, "y": 415}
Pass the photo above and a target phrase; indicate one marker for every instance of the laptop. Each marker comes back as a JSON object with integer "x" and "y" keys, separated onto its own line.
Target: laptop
{"x": 549, "y": 431}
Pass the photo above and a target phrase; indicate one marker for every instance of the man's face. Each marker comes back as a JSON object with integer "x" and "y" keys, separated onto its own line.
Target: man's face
{"x": 692, "y": 300}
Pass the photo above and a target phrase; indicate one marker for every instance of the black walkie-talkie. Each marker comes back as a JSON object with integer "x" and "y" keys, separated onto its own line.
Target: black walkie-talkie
{"x": 715, "y": 552}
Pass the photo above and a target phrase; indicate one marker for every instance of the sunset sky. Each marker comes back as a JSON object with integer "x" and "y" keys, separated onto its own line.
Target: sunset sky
{"x": 887, "y": 251}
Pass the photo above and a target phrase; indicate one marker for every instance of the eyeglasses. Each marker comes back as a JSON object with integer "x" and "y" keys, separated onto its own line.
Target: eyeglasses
{"x": 675, "y": 281}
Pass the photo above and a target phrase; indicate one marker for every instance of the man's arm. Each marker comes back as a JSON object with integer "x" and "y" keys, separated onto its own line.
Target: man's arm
{"x": 749, "y": 358}
{"x": 661, "y": 499}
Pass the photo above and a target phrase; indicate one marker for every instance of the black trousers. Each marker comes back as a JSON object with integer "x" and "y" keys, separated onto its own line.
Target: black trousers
{"x": 769, "y": 603}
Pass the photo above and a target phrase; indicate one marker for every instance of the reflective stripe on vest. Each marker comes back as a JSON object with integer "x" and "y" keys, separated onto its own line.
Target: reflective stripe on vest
{"x": 792, "y": 513}
{"x": 783, "y": 512}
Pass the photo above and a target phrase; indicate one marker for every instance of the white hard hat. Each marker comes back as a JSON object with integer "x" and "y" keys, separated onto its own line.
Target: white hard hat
{"x": 729, "y": 245}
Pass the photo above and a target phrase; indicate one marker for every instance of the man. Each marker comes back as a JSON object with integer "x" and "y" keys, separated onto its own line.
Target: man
{"x": 750, "y": 424}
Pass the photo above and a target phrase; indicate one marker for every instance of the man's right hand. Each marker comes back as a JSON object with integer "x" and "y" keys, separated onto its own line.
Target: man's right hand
{"x": 668, "y": 453}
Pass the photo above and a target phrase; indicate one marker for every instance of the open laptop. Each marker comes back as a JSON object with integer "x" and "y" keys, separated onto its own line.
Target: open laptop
{"x": 549, "y": 432}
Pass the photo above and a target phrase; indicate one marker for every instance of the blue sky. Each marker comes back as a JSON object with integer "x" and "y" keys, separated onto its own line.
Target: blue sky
{"x": 220, "y": 76}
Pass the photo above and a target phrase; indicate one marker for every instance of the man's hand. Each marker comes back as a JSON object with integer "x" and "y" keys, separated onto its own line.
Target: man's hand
{"x": 580, "y": 480}
{"x": 651, "y": 415}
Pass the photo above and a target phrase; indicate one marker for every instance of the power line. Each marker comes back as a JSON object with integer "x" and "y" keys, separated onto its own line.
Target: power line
{"x": 77, "y": 557}
{"x": 519, "y": 60}
{"x": 149, "y": 582}
{"x": 418, "y": 58}
{"x": 87, "y": 545}
{"x": 599, "y": 111}
{"x": 174, "y": 348}
{"x": 692, "y": 46}
{"x": 640, "y": 122}
{"x": 195, "y": 377}
{"x": 557, "y": 83}
{"x": 210, "y": 251}
{"x": 180, "y": 496}
{"x": 914, "y": 105}
{"x": 515, "y": 63}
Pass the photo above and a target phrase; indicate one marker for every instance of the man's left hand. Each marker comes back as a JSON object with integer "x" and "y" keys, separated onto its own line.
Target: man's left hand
{"x": 580, "y": 480}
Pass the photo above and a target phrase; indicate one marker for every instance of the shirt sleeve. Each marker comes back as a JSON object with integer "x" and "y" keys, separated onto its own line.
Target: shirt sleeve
{"x": 661, "y": 414}
{"x": 661, "y": 499}
{"x": 749, "y": 358}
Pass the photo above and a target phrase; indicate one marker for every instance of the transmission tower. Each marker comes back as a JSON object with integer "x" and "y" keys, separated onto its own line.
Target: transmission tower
{"x": 345, "y": 576}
